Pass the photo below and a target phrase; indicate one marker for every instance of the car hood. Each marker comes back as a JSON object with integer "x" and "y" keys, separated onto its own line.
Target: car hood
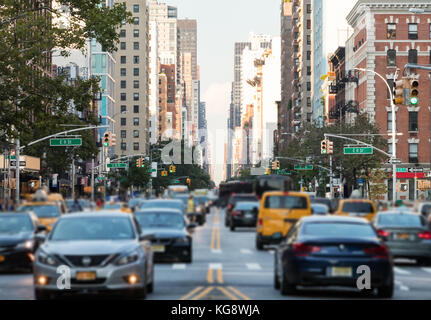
{"x": 163, "y": 233}
{"x": 98, "y": 247}
{"x": 11, "y": 239}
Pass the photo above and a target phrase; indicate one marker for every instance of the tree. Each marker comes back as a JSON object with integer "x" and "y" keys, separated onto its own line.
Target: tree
{"x": 377, "y": 185}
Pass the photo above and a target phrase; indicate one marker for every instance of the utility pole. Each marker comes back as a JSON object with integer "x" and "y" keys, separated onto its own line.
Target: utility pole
{"x": 92, "y": 180}
{"x": 73, "y": 177}
{"x": 17, "y": 178}
{"x": 330, "y": 176}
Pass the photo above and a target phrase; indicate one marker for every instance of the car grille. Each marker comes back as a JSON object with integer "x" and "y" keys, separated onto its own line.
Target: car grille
{"x": 80, "y": 261}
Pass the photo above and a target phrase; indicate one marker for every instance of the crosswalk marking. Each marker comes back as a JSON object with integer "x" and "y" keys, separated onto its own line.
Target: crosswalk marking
{"x": 401, "y": 271}
{"x": 246, "y": 251}
{"x": 253, "y": 266}
{"x": 178, "y": 266}
{"x": 426, "y": 270}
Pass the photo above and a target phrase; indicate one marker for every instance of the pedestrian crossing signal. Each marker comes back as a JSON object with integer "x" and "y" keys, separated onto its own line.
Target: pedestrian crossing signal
{"x": 172, "y": 169}
{"x": 164, "y": 173}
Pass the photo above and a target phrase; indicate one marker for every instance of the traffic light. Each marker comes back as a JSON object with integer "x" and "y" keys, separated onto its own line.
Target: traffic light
{"x": 164, "y": 173}
{"x": 172, "y": 169}
{"x": 106, "y": 139}
{"x": 324, "y": 147}
{"x": 139, "y": 163}
{"x": 330, "y": 146}
{"x": 398, "y": 91}
{"x": 274, "y": 165}
{"x": 414, "y": 91}
{"x": 112, "y": 139}
{"x": 277, "y": 163}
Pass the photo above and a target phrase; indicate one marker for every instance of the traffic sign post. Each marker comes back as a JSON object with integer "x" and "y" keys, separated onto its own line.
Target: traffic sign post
{"x": 358, "y": 150}
{"x": 65, "y": 142}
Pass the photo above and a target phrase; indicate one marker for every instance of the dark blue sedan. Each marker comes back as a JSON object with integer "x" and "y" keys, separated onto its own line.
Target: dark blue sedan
{"x": 332, "y": 251}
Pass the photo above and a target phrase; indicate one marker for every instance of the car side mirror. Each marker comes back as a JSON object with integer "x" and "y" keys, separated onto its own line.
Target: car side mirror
{"x": 147, "y": 237}
{"x": 41, "y": 228}
{"x": 40, "y": 237}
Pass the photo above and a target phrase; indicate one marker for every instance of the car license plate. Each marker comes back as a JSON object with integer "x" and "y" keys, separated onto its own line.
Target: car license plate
{"x": 85, "y": 276}
{"x": 249, "y": 216}
{"x": 341, "y": 271}
{"x": 2, "y": 258}
{"x": 403, "y": 236}
{"x": 158, "y": 248}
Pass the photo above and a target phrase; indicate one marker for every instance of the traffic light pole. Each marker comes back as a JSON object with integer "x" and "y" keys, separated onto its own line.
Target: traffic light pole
{"x": 330, "y": 177}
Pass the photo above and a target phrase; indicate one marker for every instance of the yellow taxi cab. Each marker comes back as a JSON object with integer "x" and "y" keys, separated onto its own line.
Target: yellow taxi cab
{"x": 116, "y": 206}
{"x": 278, "y": 212}
{"x": 57, "y": 197}
{"x": 357, "y": 207}
{"x": 47, "y": 212}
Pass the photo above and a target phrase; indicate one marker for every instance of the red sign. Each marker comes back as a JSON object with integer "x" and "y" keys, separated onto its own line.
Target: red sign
{"x": 409, "y": 175}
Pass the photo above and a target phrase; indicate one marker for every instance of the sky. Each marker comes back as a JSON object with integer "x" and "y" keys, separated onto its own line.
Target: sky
{"x": 220, "y": 24}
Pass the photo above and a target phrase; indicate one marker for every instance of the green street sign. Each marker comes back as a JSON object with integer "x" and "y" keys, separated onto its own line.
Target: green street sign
{"x": 120, "y": 165}
{"x": 358, "y": 150}
{"x": 402, "y": 170}
{"x": 65, "y": 142}
{"x": 175, "y": 181}
{"x": 284, "y": 172}
{"x": 12, "y": 157}
{"x": 308, "y": 167}
{"x": 152, "y": 170}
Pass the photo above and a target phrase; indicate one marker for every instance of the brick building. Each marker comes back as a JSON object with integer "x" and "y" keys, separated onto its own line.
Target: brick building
{"x": 386, "y": 37}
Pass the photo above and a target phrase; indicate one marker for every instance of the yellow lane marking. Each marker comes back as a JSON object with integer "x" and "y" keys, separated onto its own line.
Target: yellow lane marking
{"x": 243, "y": 296}
{"x": 203, "y": 293}
{"x": 210, "y": 276}
{"x": 218, "y": 239}
{"x": 191, "y": 293}
{"x": 227, "y": 293}
{"x": 213, "y": 231}
{"x": 220, "y": 276}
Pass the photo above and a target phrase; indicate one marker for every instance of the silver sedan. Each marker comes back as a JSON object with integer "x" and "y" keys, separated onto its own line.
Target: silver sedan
{"x": 94, "y": 253}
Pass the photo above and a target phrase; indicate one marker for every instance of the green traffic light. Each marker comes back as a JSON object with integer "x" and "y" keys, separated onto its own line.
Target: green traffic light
{"x": 414, "y": 101}
{"x": 106, "y": 144}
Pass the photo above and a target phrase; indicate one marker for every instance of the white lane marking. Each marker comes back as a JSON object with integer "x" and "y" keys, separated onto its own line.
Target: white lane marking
{"x": 271, "y": 251}
{"x": 426, "y": 270}
{"x": 249, "y": 274}
{"x": 215, "y": 266}
{"x": 178, "y": 266}
{"x": 253, "y": 266}
{"x": 216, "y": 251}
{"x": 246, "y": 251}
{"x": 401, "y": 271}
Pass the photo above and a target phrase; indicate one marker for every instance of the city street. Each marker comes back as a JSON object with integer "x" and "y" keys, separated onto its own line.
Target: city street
{"x": 227, "y": 266}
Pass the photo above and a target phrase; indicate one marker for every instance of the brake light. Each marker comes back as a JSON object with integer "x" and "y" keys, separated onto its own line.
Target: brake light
{"x": 303, "y": 250}
{"x": 425, "y": 235}
{"x": 380, "y": 251}
{"x": 260, "y": 223}
{"x": 383, "y": 233}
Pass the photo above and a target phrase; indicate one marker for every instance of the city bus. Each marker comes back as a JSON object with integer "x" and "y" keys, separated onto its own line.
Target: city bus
{"x": 272, "y": 183}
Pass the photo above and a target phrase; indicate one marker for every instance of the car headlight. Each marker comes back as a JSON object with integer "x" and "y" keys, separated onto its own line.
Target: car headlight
{"x": 127, "y": 258}
{"x": 182, "y": 240}
{"x": 26, "y": 245}
{"x": 47, "y": 259}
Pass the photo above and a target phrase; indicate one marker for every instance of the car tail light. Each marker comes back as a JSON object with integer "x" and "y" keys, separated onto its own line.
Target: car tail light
{"x": 380, "y": 251}
{"x": 382, "y": 233}
{"x": 426, "y": 235}
{"x": 303, "y": 250}
{"x": 236, "y": 213}
{"x": 260, "y": 223}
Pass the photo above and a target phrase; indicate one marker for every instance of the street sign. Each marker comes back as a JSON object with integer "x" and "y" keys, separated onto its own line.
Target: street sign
{"x": 175, "y": 181}
{"x": 65, "y": 142}
{"x": 307, "y": 167}
{"x": 154, "y": 169}
{"x": 120, "y": 165}
{"x": 410, "y": 170}
{"x": 396, "y": 161}
{"x": 284, "y": 172}
{"x": 21, "y": 163}
{"x": 358, "y": 150}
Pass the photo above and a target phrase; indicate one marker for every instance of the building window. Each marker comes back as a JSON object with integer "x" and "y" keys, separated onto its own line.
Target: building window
{"x": 308, "y": 55}
{"x": 136, "y": 33}
{"x": 135, "y": 59}
{"x": 136, "y": 71}
{"x": 122, "y": 33}
{"x": 136, "y": 146}
{"x": 136, "y": 8}
{"x": 389, "y": 148}
{"x": 136, "y": 96}
{"x": 136, "y": 21}
{"x": 391, "y": 58}
{"x": 308, "y": 24}
{"x": 308, "y": 8}
{"x": 123, "y": 109}
{"x": 308, "y": 102}
{"x": 135, "y": 133}
{"x": 136, "y": 121}
{"x": 123, "y": 121}
{"x": 413, "y": 31}
{"x": 391, "y": 31}
{"x": 295, "y": 49}
{"x": 123, "y": 59}
{"x": 135, "y": 109}
{"x": 123, "y": 96}
{"x": 136, "y": 45}
{"x": 389, "y": 121}
{"x": 391, "y": 85}
{"x": 123, "y": 84}
{"x": 122, "y": 45}
{"x": 123, "y": 146}
{"x": 308, "y": 39}
{"x": 413, "y": 152}
{"x": 136, "y": 84}
{"x": 413, "y": 56}
{"x": 123, "y": 134}
{"x": 123, "y": 71}
{"x": 413, "y": 121}
{"x": 296, "y": 62}
{"x": 308, "y": 86}
{"x": 308, "y": 71}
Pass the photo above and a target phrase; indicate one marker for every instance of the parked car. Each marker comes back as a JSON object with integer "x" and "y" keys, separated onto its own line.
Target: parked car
{"x": 327, "y": 251}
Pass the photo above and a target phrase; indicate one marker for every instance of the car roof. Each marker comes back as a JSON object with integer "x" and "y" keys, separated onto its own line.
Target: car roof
{"x": 403, "y": 212}
{"x": 9, "y": 213}
{"x": 163, "y": 210}
{"x": 96, "y": 214}
{"x": 334, "y": 219}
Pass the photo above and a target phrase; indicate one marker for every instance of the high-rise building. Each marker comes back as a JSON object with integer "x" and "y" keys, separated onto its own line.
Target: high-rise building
{"x": 170, "y": 70}
{"x": 131, "y": 83}
{"x": 153, "y": 83}
{"x": 187, "y": 42}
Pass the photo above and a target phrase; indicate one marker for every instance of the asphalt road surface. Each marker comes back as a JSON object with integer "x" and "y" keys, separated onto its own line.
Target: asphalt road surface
{"x": 227, "y": 266}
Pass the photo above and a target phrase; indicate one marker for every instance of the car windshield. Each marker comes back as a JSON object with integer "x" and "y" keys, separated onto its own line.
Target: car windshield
{"x": 357, "y": 207}
{"x": 337, "y": 230}
{"x": 319, "y": 208}
{"x": 100, "y": 228}
{"x": 246, "y": 205}
{"x": 15, "y": 224}
{"x": 286, "y": 202}
{"x": 244, "y": 198}
{"x": 400, "y": 220}
{"x": 45, "y": 211}
{"x": 162, "y": 204}
{"x": 112, "y": 206}
{"x": 160, "y": 220}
